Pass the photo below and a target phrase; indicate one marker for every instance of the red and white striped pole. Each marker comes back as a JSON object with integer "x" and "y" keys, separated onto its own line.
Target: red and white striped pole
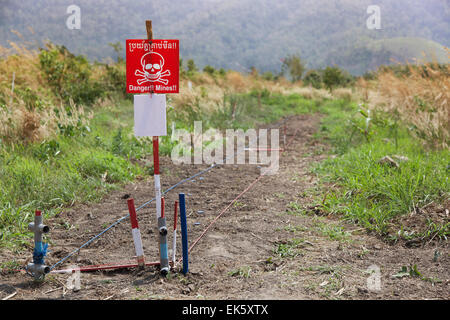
{"x": 136, "y": 234}
{"x": 174, "y": 240}
{"x": 160, "y": 219}
{"x": 156, "y": 176}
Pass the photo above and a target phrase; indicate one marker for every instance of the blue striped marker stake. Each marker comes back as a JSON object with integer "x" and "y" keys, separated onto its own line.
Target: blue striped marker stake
{"x": 174, "y": 240}
{"x": 184, "y": 235}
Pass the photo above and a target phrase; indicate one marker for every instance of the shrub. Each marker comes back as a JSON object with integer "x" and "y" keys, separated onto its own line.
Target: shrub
{"x": 69, "y": 75}
{"x": 313, "y": 78}
{"x": 191, "y": 67}
{"x": 334, "y": 77}
{"x": 268, "y": 76}
{"x": 210, "y": 70}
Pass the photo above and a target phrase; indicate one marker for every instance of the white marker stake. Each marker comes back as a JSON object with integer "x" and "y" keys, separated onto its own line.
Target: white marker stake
{"x": 157, "y": 192}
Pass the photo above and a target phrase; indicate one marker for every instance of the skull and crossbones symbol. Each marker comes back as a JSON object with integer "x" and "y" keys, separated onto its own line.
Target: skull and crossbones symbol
{"x": 152, "y": 66}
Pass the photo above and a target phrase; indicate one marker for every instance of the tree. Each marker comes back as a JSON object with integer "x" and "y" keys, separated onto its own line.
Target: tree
{"x": 209, "y": 69}
{"x": 313, "y": 78}
{"x": 294, "y": 65}
{"x": 191, "y": 67}
{"x": 333, "y": 77}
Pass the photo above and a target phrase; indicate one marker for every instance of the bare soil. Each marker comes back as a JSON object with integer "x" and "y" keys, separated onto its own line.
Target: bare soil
{"x": 259, "y": 248}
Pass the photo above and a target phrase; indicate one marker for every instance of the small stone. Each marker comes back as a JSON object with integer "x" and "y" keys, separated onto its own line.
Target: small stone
{"x": 191, "y": 287}
{"x": 386, "y": 160}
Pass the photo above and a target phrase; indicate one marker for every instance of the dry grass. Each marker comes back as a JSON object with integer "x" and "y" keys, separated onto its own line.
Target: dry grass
{"x": 421, "y": 100}
{"x": 343, "y": 93}
{"x": 20, "y": 122}
{"x": 206, "y": 92}
{"x": 308, "y": 92}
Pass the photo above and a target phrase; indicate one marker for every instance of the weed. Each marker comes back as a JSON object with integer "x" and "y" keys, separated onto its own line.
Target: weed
{"x": 413, "y": 271}
{"x": 295, "y": 229}
{"x": 10, "y": 266}
{"x": 332, "y": 231}
{"x": 289, "y": 249}
{"x": 241, "y": 272}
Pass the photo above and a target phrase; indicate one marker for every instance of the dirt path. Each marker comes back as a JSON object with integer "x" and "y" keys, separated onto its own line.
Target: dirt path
{"x": 259, "y": 249}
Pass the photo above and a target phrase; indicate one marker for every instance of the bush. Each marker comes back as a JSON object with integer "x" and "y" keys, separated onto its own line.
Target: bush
{"x": 210, "y": 70}
{"x": 114, "y": 80}
{"x": 69, "y": 76}
{"x": 268, "y": 76}
{"x": 313, "y": 78}
{"x": 334, "y": 77}
{"x": 191, "y": 67}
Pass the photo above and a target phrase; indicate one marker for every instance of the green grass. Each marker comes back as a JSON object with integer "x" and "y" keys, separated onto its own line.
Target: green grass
{"x": 71, "y": 169}
{"x": 289, "y": 249}
{"x": 81, "y": 165}
{"x": 250, "y": 110}
{"x": 334, "y": 232}
{"x": 241, "y": 272}
{"x": 85, "y": 164}
{"x": 370, "y": 193}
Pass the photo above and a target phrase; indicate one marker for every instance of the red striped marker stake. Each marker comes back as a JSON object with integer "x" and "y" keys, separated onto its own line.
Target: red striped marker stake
{"x": 136, "y": 234}
{"x": 174, "y": 240}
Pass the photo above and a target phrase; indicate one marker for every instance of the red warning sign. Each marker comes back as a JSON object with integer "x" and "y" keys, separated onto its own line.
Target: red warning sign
{"x": 152, "y": 67}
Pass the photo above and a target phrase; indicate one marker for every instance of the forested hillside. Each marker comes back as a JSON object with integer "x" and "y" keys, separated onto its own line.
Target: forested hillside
{"x": 239, "y": 34}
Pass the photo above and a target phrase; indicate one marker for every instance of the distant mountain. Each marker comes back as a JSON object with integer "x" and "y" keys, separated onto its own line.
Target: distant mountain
{"x": 239, "y": 34}
{"x": 374, "y": 53}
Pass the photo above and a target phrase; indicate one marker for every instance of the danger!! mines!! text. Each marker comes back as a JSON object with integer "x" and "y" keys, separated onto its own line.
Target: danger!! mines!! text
{"x": 151, "y": 88}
